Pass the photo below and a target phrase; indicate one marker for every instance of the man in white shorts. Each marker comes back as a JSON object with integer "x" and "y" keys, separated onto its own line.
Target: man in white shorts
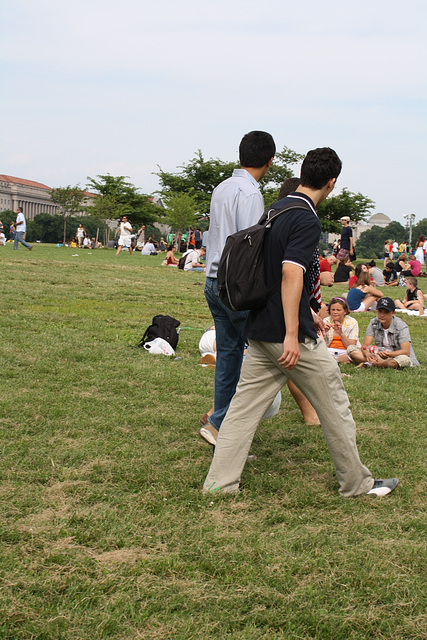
{"x": 125, "y": 239}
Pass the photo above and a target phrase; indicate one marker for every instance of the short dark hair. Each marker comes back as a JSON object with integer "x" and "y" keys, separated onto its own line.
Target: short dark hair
{"x": 319, "y": 166}
{"x": 289, "y": 185}
{"x": 256, "y": 149}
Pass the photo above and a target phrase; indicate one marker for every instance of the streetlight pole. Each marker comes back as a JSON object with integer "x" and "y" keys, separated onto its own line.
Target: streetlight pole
{"x": 410, "y": 219}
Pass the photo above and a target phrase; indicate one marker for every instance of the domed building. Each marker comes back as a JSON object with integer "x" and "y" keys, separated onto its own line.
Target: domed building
{"x": 379, "y": 219}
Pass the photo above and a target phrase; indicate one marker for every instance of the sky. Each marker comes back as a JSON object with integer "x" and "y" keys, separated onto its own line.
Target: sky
{"x": 122, "y": 87}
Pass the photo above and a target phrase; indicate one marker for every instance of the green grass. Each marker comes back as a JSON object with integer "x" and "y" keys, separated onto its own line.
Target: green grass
{"x": 104, "y": 531}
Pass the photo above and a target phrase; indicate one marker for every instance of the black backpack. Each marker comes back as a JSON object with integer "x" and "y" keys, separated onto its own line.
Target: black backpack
{"x": 241, "y": 277}
{"x": 162, "y": 327}
{"x": 183, "y": 259}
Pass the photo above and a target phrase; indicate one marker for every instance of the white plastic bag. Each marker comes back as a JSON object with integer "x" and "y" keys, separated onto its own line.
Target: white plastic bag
{"x": 159, "y": 346}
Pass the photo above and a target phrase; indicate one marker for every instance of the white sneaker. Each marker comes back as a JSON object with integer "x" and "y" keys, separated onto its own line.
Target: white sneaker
{"x": 383, "y": 487}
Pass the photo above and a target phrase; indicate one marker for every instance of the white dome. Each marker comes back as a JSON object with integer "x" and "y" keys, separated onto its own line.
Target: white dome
{"x": 379, "y": 219}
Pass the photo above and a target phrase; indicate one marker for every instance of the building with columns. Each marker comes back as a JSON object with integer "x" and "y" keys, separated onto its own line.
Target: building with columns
{"x": 33, "y": 197}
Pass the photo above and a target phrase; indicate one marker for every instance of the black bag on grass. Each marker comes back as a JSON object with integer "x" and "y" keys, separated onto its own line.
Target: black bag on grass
{"x": 241, "y": 277}
{"x": 162, "y": 327}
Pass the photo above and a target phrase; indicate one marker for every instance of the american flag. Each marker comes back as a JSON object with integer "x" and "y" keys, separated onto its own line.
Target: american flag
{"x": 313, "y": 274}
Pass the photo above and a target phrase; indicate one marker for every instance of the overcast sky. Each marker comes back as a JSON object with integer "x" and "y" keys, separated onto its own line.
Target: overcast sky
{"x": 119, "y": 87}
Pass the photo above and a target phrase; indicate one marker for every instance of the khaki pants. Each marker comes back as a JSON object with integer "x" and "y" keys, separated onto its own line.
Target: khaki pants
{"x": 317, "y": 375}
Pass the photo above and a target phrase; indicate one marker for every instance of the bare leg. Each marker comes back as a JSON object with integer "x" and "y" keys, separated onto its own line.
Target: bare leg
{"x": 119, "y": 248}
{"x": 358, "y": 356}
{"x": 389, "y": 363}
{"x": 308, "y": 412}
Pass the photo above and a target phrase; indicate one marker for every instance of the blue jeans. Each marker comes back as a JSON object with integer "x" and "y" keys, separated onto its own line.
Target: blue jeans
{"x": 19, "y": 237}
{"x": 230, "y": 343}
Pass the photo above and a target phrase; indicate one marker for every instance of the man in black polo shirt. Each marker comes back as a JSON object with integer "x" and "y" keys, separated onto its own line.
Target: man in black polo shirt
{"x": 283, "y": 344}
{"x": 346, "y": 241}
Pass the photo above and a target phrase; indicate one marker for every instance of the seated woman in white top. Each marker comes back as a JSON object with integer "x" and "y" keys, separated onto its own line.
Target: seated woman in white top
{"x": 343, "y": 330}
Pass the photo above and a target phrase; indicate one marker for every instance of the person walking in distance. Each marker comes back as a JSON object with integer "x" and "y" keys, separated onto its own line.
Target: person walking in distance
{"x": 21, "y": 230}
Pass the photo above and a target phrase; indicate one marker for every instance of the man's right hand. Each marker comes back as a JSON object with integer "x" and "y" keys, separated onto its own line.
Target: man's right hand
{"x": 291, "y": 353}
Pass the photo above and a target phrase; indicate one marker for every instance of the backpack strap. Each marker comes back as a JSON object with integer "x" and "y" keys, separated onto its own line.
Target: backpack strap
{"x": 271, "y": 214}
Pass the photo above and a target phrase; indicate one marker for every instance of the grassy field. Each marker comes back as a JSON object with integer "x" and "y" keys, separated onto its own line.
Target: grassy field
{"x": 104, "y": 531}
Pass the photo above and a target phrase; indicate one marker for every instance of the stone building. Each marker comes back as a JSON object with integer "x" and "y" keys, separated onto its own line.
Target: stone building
{"x": 33, "y": 197}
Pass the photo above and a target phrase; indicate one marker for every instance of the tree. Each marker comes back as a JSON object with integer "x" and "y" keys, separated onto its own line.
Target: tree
{"x": 70, "y": 200}
{"x": 371, "y": 242}
{"x": 199, "y": 177}
{"x": 419, "y": 229}
{"x": 115, "y": 197}
{"x": 181, "y": 210}
{"x": 278, "y": 172}
{"x": 355, "y": 205}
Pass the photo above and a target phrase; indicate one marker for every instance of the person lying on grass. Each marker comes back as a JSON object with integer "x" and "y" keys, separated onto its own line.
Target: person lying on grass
{"x": 392, "y": 341}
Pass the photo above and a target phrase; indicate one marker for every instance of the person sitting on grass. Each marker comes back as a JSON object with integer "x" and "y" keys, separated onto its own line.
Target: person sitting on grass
{"x": 376, "y": 273}
{"x": 343, "y": 330}
{"x": 363, "y": 294}
{"x": 392, "y": 340}
{"x": 390, "y": 275}
{"x": 193, "y": 260}
{"x": 171, "y": 261}
{"x": 149, "y": 249}
{"x": 359, "y": 268}
{"x": 414, "y": 298}
{"x": 343, "y": 270}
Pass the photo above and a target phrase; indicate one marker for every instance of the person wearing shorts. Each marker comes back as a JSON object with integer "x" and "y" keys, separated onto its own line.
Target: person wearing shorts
{"x": 125, "y": 239}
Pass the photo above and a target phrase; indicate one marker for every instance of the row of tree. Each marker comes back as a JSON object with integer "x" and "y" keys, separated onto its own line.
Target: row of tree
{"x": 190, "y": 190}
{"x": 187, "y": 193}
{"x": 371, "y": 242}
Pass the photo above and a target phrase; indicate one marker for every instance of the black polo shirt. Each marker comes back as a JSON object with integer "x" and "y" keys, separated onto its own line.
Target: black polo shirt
{"x": 293, "y": 237}
{"x": 346, "y": 234}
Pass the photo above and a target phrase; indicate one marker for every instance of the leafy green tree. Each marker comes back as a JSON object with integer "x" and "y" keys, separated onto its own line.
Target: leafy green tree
{"x": 70, "y": 200}
{"x": 181, "y": 211}
{"x": 279, "y": 170}
{"x": 199, "y": 177}
{"x": 115, "y": 197}
{"x": 419, "y": 229}
{"x": 355, "y": 205}
{"x": 7, "y": 217}
{"x": 371, "y": 241}
{"x": 48, "y": 228}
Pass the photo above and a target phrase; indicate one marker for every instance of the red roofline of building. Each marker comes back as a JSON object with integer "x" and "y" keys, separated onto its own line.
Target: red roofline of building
{"x": 24, "y": 182}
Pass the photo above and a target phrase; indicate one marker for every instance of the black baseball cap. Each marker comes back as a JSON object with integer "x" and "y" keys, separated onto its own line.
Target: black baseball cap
{"x": 387, "y": 304}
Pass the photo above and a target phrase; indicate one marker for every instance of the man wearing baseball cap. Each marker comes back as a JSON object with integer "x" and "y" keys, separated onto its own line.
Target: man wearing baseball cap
{"x": 392, "y": 341}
